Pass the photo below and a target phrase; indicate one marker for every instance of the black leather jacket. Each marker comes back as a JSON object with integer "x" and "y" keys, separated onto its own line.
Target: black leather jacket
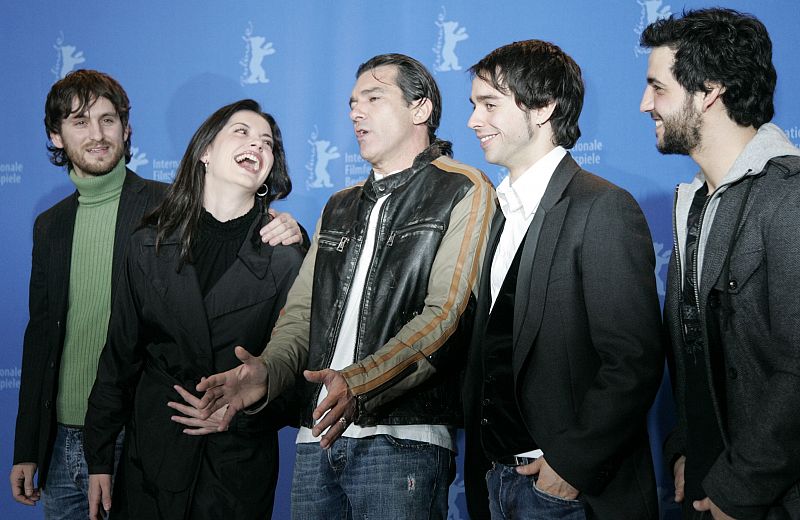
{"x": 410, "y": 348}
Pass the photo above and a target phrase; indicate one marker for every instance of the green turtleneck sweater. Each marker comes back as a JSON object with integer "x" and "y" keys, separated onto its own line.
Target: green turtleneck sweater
{"x": 89, "y": 290}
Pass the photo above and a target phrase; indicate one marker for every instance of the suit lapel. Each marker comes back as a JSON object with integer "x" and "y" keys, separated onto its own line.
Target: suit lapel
{"x": 537, "y": 257}
{"x": 484, "y": 288}
{"x": 132, "y": 206}
{"x": 60, "y": 260}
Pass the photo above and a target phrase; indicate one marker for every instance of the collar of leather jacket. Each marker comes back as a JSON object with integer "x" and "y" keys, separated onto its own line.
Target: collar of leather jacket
{"x": 374, "y": 189}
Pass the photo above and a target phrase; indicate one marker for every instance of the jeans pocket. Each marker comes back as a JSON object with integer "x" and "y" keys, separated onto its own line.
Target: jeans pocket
{"x": 407, "y": 444}
{"x": 554, "y": 498}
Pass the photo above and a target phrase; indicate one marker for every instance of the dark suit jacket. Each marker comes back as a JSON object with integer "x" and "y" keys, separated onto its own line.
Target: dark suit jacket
{"x": 49, "y": 287}
{"x": 163, "y": 332}
{"x": 587, "y": 353}
{"x": 756, "y": 390}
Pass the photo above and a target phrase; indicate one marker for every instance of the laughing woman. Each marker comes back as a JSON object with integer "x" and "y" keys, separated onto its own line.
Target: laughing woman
{"x": 198, "y": 281}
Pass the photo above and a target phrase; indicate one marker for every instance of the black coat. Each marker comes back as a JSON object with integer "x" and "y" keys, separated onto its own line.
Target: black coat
{"x": 49, "y": 288}
{"x": 587, "y": 354}
{"x": 163, "y": 333}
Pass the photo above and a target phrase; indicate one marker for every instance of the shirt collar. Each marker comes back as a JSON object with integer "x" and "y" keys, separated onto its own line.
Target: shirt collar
{"x": 526, "y": 192}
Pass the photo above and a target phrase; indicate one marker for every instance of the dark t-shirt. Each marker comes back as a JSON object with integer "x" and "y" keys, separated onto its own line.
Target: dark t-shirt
{"x": 703, "y": 439}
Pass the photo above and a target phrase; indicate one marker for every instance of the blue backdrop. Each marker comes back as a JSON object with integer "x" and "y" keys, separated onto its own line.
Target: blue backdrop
{"x": 180, "y": 60}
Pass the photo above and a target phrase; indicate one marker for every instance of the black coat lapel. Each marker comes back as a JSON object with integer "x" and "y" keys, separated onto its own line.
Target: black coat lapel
{"x": 180, "y": 291}
{"x": 133, "y": 203}
{"x": 240, "y": 285}
{"x": 537, "y": 257}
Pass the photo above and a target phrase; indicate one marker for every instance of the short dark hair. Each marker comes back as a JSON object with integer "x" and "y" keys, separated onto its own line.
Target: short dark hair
{"x": 181, "y": 209}
{"x": 537, "y": 73}
{"x": 415, "y": 82}
{"x": 85, "y": 86}
{"x": 726, "y": 47}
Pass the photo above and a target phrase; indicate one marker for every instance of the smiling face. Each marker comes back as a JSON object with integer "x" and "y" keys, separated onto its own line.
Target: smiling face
{"x": 94, "y": 140}
{"x": 384, "y": 122}
{"x": 672, "y": 108}
{"x": 505, "y": 131}
{"x": 240, "y": 156}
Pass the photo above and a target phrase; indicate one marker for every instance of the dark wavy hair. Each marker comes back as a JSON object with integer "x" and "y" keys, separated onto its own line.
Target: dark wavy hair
{"x": 415, "y": 82}
{"x": 726, "y": 47}
{"x": 537, "y": 73}
{"x": 85, "y": 86}
{"x": 181, "y": 209}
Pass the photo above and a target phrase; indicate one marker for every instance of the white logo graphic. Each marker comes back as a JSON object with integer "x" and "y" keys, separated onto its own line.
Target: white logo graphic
{"x": 456, "y": 489}
{"x": 67, "y": 57}
{"x": 321, "y": 154}
{"x": 137, "y": 159}
{"x": 662, "y": 259}
{"x": 449, "y": 35}
{"x": 652, "y": 10}
{"x": 257, "y": 48}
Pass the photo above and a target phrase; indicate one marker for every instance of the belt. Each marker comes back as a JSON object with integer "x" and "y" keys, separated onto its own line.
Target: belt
{"x": 514, "y": 461}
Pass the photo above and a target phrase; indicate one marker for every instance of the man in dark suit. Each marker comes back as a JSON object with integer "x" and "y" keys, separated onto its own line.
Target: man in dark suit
{"x": 566, "y": 356}
{"x": 733, "y": 291}
{"x": 78, "y": 248}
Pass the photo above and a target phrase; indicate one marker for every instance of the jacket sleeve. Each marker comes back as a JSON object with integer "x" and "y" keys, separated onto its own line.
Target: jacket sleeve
{"x": 34, "y": 354}
{"x": 621, "y": 304}
{"x": 286, "y": 354}
{"x": 111, "y": 400}
{"x": 405, "y": 360}
{"x": 762, "y": 461}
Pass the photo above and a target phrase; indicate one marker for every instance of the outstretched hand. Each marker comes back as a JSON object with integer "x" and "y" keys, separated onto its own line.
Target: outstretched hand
{"x": 192, "y": 415}
{"x": 238, "y": 388}
{"x": 336, "y": 410}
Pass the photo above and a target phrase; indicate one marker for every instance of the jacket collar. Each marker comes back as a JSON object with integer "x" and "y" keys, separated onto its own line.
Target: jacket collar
{"x": 373, "y": 188}
{"x": 253, "y": 253}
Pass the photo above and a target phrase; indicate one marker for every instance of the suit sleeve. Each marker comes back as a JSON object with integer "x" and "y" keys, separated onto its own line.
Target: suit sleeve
{"x": 387, "y": 374}
{"x": 621, "y": 304}
{"x": 756, "y": 468}
{"x": 34, "y": 354}
{"x": 111, "y": 400}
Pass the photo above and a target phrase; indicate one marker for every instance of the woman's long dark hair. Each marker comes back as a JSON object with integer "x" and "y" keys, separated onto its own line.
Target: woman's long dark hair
{"x": 181, "y": 209}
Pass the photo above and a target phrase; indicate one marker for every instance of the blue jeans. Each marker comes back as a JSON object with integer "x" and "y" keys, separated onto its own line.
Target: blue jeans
{"x": 66, "y": 492}
{"x": 378, "y": 477}
{"x": 513, "y": 496}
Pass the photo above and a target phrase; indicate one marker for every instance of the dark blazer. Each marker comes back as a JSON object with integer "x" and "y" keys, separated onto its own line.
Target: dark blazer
{"x": 756, "y": 390}
{"x": 587, "y": 353}
{"x": 48, "y": 299}
{"x": 163, "y": 332}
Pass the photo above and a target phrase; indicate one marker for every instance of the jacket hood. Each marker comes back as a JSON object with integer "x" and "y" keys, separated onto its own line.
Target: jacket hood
{"x": 769, "y": 142}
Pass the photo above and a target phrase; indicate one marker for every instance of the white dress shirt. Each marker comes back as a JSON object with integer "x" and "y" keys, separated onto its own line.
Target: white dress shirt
{"x": 518, "y": 202}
